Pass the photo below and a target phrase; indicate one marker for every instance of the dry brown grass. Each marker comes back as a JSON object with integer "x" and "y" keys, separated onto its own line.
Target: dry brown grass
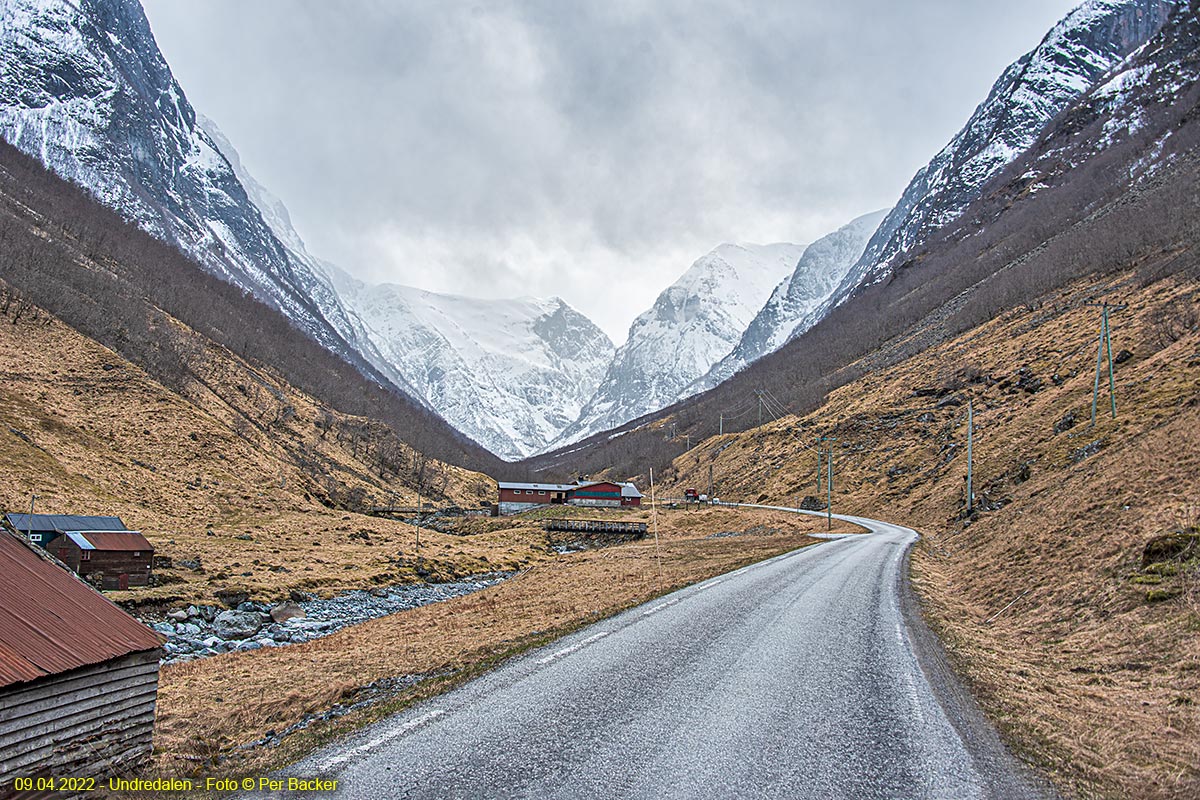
{"x": 208, "y": 707}
{"x": 209, "y": 476}
{"x": 1093, "y": 672}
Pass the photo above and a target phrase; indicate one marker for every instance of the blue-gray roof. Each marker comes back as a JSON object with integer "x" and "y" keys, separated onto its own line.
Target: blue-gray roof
{"x": 45, "y": 523}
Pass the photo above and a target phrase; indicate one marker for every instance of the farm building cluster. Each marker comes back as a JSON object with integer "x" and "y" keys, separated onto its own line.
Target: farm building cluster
{"x": 518, "y": 497}
{"x": 101, "y": 550}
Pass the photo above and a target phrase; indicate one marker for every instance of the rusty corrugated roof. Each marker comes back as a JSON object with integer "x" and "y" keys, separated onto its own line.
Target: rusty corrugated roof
{"x": 51, "y": 622}
{"x": 110, "y": 540}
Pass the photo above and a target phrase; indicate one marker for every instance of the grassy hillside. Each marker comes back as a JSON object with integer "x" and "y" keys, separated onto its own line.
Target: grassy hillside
{"x": 258, "y": 481}
{"x": 1077, "y": 624}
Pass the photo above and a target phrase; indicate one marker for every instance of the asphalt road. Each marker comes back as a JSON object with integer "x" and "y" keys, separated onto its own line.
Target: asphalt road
{"x": 809, "y": 675}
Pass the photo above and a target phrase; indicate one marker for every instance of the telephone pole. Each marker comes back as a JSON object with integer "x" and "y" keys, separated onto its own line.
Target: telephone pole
{"x": 721, "y": 429}
{"x": 710, "y": 483}
{"x": 759, "y": 393}
{"x": 828, "y": 478}
{"x": 818, "y": 465}
{"x": 1105, "y": 342}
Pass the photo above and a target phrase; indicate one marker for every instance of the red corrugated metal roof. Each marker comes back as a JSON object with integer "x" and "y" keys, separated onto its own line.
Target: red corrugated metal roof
{"x": 51, "y": 622}
{"x": 114, "y": 540}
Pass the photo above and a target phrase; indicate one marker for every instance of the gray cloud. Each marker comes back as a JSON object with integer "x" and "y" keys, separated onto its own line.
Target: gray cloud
{"x": 589, "y": 150}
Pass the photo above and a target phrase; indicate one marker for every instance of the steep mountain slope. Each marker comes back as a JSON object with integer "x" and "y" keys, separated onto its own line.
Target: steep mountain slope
{"x": 693, "y": 323}
{"x": 512, "y": 373}
{"x": 1073, "y": 56}
{"x": 66, "y": 252}
{"x": 819, "y": 271}
{"x": 1110, "y": 183}
{"x": 91, "y": 96}
{"x": 86, "y": 90}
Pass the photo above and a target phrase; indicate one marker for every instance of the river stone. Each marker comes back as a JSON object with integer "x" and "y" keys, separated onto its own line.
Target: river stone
{"x": 187, "y": 629}
{"x": 287, "y": 610}
{"x": 178, "y": 616}
{"x": 236, "y": 624}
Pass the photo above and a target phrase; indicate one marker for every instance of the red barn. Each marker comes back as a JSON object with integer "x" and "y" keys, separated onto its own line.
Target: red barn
{"x": 109, "y": 559}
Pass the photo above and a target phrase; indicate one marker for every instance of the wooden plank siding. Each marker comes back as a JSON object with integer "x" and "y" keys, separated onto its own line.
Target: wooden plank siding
{"x": 89, "y": 722}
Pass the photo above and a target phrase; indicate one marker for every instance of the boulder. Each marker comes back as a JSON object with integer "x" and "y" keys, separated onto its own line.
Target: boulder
{"x": 236, "y": 624}
{"x": 287, "y": 610}
{"x": 187, "y": 629}
{"x": 233, "y": 597}
{"x": 178, "y": 616}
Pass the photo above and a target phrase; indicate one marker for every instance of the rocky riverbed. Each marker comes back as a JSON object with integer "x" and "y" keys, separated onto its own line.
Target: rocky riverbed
{"x": 202, "y": 631}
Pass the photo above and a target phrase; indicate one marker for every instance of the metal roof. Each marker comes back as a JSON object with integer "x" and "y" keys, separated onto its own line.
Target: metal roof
{"x": 550, "y": 487}
{"x": 51, "y": 622}
{"x": 629, "y": 490}
{"x": 109, "y": 540}
{"x": 62, "y": 522}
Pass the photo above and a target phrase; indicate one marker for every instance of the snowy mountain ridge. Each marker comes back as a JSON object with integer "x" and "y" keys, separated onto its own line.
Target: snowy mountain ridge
{"x": 693, "y": 324}
{"x": 86, "y": 90}
{"x": 817, "y": 274}
{"x": 1079, "y": 51}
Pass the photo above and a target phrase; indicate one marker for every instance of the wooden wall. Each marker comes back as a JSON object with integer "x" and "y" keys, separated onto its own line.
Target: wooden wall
{"x": 83, "y": 723}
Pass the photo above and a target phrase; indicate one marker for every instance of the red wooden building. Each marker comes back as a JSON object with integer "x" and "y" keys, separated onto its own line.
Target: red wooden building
{"x": 518, "y": 497}
{"x": 109, "y": 559}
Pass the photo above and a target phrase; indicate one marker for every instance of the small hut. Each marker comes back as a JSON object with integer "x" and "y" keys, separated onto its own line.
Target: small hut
{"x": 78, "y": 676}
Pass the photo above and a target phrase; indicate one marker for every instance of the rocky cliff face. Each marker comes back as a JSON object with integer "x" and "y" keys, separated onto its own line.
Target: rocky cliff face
{"x": 1079, "y": 51}
{"x": 513, "y": 373}
{"x": 86, "y": 90}
{"x": 818, "y": 273}
{"x": 692, "y": 325}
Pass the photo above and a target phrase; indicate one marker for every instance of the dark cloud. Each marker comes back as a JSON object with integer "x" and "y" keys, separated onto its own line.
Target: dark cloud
{"x": 503, "y": 148}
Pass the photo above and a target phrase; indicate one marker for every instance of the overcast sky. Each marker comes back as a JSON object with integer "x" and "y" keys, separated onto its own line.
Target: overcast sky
{"x": 586, "y": 150}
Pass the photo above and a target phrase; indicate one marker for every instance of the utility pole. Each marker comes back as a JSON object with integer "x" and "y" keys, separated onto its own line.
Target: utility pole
{"x": 689, "y": 441}
{"x": 828, "y": 478}
{"x": 970, "y": 459}
{"x": 818, "y": 465}
{"x": 710, "y": 483}
{"x": 29, "y": 525}
{"x": 1105, "y": 342}
{"x": 759, "y": 393}
{"x": 721, "y": 429}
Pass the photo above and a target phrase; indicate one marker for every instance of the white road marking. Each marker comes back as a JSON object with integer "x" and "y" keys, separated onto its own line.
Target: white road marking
{"x": 395, "y": 733}
{"x": 708, "y": 585}
{"x": 660, "y": 607}
{"x": 566, "y": 651}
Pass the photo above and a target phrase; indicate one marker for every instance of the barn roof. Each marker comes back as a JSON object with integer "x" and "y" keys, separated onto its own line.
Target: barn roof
{"x": 62, "y": 522}
{"x": 629, "y": 490}
{"x": 51, "y": 622}
{"x": 109, "y": 540}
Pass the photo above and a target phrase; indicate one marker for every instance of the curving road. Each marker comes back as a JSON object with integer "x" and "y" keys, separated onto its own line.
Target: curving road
{"x": 808, "y": 675}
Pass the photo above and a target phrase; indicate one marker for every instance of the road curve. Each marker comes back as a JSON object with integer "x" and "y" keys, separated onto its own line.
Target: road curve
{"x": 807, "y": 675}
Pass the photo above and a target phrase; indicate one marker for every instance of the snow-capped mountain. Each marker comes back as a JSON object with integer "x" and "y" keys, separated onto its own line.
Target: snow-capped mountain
{"x": 512, "y": 373}
{"x": 820, "y": 270}
{"x": 692, "y": 325}
{"x": 85, "y": 89}
{"x": 1079, "y": 51}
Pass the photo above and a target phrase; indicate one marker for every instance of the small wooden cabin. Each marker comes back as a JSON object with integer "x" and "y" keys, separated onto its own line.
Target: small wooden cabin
{"x": 78, "y": 676}
{"x": 107, "y": 559}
